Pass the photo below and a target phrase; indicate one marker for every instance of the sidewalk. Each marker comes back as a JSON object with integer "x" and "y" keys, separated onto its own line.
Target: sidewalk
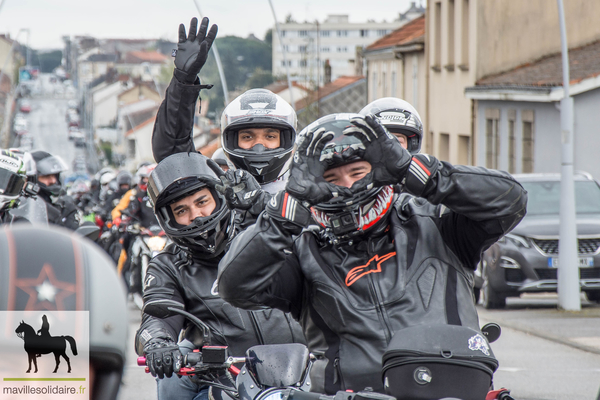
{"x": 538, "y": 315}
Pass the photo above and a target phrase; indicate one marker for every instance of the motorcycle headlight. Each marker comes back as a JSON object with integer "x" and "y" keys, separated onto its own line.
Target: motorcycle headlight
{"x": 156, "y": 243}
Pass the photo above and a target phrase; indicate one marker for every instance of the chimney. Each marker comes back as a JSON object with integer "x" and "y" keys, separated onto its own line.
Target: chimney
{"x": 327, "y": 76}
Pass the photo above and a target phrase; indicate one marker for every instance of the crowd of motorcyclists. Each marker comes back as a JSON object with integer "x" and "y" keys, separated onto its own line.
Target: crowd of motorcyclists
{"x": 339, "y": 235}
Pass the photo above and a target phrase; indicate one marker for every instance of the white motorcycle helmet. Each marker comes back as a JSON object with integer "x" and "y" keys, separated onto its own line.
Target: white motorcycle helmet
{"x": 259, "y": 108}
{"x": 398, "y": 116}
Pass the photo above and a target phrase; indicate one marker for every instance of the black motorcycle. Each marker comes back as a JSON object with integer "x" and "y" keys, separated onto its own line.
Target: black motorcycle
{"x": 282, "y": 372}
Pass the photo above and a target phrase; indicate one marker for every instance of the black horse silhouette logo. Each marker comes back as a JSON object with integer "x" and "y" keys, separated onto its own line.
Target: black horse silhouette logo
{"x": 42, "y": 343}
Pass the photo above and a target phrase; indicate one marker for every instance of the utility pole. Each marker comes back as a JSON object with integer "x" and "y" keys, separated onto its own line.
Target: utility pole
{"x": 568, "y": 263}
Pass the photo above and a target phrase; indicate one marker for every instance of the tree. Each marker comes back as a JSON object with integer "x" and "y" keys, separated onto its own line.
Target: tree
{"x": 289, "y": 19}
{"x": 269, "y": 37}
{"x": 259, "y": 78}
{"x": 240, "y": 59}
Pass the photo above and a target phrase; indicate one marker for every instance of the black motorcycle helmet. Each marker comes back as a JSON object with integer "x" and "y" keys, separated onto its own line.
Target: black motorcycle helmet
{"x": 398, "y": 116}
{"x": 47, "y": 164}
{"x": 181, "y": 175}
{"x": 83, "y": 278}
{"x": 345, "y": 216}
{"x": 124, "y": 178}
{"x": 259, "y": 108}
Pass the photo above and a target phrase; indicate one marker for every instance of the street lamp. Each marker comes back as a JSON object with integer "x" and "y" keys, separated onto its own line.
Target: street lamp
{"x": 218, "y": 61}
{"x": 568, "y": 267}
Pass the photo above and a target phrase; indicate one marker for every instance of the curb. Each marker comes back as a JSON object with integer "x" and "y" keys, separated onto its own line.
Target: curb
{"x": 551, "y": 338}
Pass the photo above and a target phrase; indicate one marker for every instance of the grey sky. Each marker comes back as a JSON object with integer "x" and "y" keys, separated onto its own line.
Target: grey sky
{"x": 49, "y": 20}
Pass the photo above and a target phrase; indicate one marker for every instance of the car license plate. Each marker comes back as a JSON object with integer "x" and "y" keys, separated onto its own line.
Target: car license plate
{"x": 584, "y": 262}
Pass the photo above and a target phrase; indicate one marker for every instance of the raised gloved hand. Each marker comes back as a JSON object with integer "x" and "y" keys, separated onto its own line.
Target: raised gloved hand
{"x": 192, "y": 50}
{"x": 306, "y": 182}
{"x": 239, "y": 187}
{"x": 163, "y": 357}
{"x": 389, "y": 160}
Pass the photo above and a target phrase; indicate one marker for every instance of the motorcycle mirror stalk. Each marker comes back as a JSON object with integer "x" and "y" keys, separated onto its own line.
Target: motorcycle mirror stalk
{"x": 165, "y": 308}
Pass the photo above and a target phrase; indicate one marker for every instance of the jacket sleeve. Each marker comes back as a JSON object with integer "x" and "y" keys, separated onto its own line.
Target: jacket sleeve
{"x": 175, "y": 120}
{"x": 482, "y": 205}
{"x": 123, "y": 204}
{"x": 161, "y": 283}
{"x": 261, "y": 267}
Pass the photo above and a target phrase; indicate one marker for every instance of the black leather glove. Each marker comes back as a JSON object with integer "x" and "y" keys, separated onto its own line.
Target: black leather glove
{"x": 240, "y": 188}
{"x": 163, "y": 358}
{"x": 389, "y": 160}
{"x": 306, "y": 182}
{"x": 192, "y": 50}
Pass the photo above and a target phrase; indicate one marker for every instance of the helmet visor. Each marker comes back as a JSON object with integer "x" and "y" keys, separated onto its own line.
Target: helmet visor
{"x": 11, "y": 184}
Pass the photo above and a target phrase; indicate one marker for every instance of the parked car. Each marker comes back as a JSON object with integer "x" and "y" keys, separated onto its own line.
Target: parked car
{"x": 526, "y": 259}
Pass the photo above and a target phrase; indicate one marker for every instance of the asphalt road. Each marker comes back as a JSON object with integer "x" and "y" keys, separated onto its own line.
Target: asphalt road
{"x": 540, "y": 349}
{"x": 47, "y": 122}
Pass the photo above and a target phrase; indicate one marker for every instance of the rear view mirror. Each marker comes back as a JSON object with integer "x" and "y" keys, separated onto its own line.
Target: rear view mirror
{"x": 491, "y": 331}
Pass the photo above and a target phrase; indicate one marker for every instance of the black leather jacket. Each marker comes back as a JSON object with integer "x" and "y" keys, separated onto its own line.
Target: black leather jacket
{"x": 175, "y": 120}
{"x": 173, "y": 274}
{"x": 417, "y": 269}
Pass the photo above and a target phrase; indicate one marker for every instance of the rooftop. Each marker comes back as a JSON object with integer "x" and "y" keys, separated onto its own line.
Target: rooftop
{"x": 547, "y": 72}
{"x": 136, "y": 57}
{"x": 326, "y": 90}
{"x": 412, "y": 32}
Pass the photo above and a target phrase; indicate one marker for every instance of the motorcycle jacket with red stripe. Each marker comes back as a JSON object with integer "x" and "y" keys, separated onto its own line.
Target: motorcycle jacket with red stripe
{"x": 352, "y": 297}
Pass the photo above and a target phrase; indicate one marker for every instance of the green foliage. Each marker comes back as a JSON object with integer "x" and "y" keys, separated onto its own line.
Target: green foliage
{"x": 260, "y": 78}
{"x": 106, "y": 148}
{"x": 47, "y": 61}
{"x": 246, "y": 63}
{"x": 269, "y": 37}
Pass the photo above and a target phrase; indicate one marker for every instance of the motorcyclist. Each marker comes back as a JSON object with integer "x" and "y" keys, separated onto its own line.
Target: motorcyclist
{"x": 380, "y": 261}
{"x": 258, "y": 127}
{"x": 85, "y": 281}
{"x": 400, "y": 118}
{"x": 137, "y": 204}
{"x": 92, "y": 198}
{"x": 124, "y": 180}
{"x": 12, "y": 182}
{"x": 183, "y": 189}
{"x": 61, "y": 209}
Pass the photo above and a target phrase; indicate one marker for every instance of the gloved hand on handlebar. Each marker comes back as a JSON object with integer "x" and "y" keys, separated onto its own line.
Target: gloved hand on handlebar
{"x": 163, "y": 358}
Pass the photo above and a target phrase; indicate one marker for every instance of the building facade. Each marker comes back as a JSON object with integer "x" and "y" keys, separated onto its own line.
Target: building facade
{"x": 308, "y": 45}
{"x": 396, "y": 67}
{"x": 468, "y": 40}
{"x": 518, "y": 114}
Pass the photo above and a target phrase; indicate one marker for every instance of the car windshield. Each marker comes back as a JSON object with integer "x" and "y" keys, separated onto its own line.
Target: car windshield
{"x": 544, "y": 197}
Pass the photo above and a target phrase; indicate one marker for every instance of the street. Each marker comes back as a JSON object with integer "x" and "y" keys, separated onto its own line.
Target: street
{"x": 47, "y": 123}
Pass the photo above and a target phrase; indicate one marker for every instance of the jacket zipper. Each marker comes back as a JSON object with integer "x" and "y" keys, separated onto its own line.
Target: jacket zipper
{"x": 378, "y": 303}
{"x": 337, "y": 373}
